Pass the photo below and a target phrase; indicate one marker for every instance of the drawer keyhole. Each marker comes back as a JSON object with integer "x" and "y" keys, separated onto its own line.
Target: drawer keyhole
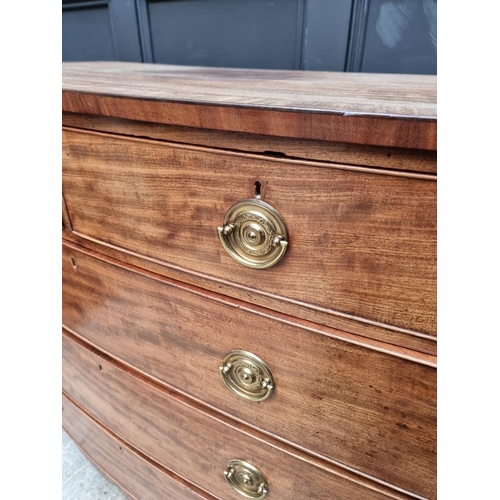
{"x": 257, "y": 189}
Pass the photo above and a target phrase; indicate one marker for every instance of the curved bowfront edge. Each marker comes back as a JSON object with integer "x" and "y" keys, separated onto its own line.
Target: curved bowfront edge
{"x": 328, "y": 369}
{"x": 368, "y": 109}
{"x": 100, "y": 373}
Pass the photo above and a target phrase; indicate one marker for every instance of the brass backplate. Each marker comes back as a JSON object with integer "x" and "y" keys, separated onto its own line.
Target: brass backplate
{"x": 254, "y": 234}
{"x": 246, "y": 479}
{"x": 247, "y": 375}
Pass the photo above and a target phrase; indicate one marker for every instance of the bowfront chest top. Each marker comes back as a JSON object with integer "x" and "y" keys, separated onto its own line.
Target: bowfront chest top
{"x": 249, "y": 281}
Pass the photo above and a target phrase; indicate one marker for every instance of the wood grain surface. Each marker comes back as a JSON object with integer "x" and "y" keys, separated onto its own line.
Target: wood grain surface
{"x": 363, "y": 242}
{"x": 194, "y": 444}
{"x": 375, "y": 109}
{"x": 153, "y": 157}
{"x": 353, "y": 154}
{"x": 421, "y": 348}
{"x": 135, "y": 474}
{"x": 368, "y": 410}
{"x": 66, "y": 223}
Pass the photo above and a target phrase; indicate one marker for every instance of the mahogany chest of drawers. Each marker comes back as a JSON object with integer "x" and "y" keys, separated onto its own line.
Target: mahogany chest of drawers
{"x": 249, "y": 281}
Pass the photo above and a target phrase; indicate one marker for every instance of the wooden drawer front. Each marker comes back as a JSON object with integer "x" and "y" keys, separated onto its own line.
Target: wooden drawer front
{"x": 361, "y": 243}
{"x": 193, "y": 444}
{"x": 370, "y": 410}
{"x": 135, "y": 474}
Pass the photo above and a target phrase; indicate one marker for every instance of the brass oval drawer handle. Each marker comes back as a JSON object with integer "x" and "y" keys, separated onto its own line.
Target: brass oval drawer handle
{"x": 247, "y": 375}
{"x": 246, "y": 479}
{"x": 254, "y": 234}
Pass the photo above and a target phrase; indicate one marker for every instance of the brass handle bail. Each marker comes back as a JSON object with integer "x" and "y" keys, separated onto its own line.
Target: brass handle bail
{"x": 254, "y": 234}
{"x": 246, "y": 479}
{"x": 247, "y": 375}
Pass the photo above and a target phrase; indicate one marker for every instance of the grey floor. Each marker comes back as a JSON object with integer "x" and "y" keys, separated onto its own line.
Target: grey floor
{"x": 80, "y": 480}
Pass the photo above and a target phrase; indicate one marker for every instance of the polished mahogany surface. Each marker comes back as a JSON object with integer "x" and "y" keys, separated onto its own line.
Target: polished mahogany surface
{"x": 153, "y": 158}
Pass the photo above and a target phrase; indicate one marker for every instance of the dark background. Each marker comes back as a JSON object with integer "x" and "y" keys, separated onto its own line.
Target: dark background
{"x": 381, "y": 36}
